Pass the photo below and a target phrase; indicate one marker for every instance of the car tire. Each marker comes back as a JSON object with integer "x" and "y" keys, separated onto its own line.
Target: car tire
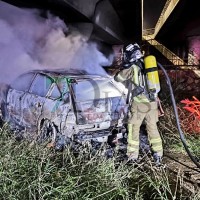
{"x": 46, "y": 131}
{"x": 3, "y": 105}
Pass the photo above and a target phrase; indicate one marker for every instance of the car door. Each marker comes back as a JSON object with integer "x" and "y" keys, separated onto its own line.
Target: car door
{"x": 32, "y": 101}
{"x": 91, "y": 105}
{"x": 18, "y": 89}
{"x": 57, "y": 103}
{"x": 14, "y": 106}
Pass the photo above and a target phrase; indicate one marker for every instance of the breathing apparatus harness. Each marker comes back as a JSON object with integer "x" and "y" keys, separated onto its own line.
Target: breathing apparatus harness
{"x": 149, "y": 71}
{"x": 145, "y": 79}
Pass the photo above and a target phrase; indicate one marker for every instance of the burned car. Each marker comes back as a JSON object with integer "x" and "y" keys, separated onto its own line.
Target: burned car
{"x": 65, "y": 105}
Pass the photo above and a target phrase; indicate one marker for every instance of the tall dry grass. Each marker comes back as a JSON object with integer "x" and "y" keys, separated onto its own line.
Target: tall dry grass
{"x": 35, "y": 172}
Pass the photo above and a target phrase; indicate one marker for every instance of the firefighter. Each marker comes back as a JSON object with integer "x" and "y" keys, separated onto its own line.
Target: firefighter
{"x": 141, "y": 75}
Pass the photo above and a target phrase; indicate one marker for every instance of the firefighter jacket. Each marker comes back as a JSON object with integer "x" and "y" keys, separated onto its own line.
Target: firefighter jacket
{"x": 142, "y": 109}
{"x": 134, "y": 75}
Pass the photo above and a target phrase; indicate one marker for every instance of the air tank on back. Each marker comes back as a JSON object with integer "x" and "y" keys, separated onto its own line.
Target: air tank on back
{"x": 152, "y": 75}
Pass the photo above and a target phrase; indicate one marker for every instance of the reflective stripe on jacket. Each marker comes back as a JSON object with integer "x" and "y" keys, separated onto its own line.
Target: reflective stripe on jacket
{"x": 131, "y": 74}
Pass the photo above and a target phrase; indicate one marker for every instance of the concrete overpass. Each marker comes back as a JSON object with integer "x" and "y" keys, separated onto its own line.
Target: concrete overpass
{"x": 177, "y": 32}
{"x": 103, "y": 20}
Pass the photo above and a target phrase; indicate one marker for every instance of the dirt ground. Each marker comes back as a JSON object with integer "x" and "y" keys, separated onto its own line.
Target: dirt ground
{"x": 182, "y": 167}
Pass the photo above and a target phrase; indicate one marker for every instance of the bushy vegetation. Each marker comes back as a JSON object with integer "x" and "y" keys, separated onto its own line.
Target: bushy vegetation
{"x": 29, "y": 171}
{"x": 171, "y": 137}
{"x": 189, "y": 122}
{"x": 35, "y": 172}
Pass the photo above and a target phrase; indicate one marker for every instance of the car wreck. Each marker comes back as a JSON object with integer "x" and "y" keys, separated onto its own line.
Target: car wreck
{"x": 65, "y": 105}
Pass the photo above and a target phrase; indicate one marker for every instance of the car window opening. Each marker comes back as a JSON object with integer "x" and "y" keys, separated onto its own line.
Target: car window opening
{"x": 95, "y": 90}
{"x": 41, "y": 85}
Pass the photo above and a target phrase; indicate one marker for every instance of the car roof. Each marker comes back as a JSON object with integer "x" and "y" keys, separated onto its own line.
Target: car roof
{"x": 74, "y": 74}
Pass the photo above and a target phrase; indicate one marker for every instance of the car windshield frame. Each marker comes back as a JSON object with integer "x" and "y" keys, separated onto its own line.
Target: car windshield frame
{"x": 97, "y": 90}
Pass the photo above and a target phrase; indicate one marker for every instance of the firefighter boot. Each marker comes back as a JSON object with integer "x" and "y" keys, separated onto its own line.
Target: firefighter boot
{"x": 129, "y": 159}
{"x": 157, "y": 159}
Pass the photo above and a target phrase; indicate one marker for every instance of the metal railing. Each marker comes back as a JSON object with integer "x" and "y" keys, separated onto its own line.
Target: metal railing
{"x": 167, "y": 10}
{"x": 148, "y": 32}
{"x": 149, "y": 35}
{"x": 166, "y": 52}
{"x": 172, "y": 57}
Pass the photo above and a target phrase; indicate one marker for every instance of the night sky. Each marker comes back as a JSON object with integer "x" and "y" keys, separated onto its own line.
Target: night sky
{"x": 152, "y": 11}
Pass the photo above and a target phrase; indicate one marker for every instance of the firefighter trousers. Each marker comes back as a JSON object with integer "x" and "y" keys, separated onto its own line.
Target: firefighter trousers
{"x": 147, "y": 112}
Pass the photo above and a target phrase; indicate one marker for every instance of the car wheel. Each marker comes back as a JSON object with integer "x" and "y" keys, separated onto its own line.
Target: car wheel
{"x": 47, "y": 132}
{"x": 3, "y": 105}
{"x": 4, "y": 112}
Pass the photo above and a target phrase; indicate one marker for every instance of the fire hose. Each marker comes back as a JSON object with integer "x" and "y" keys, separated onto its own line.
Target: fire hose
{"x": 177, "y": 118}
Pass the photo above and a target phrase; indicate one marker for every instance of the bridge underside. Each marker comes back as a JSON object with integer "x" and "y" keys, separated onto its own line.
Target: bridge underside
{"x": 104, "y": 20}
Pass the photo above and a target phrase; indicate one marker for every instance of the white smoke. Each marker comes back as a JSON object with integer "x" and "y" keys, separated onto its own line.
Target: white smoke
{"x": 29, "y": 42}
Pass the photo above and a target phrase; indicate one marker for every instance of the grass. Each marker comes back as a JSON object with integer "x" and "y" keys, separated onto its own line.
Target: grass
{"x": 35, "y": 172}
{"x": 167, "y": 124}
{"x": 193, "y": 143}
{"x": 170, "y": 135}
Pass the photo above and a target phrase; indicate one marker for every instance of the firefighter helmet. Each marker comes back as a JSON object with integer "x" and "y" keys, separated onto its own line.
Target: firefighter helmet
{"x": 131, "y": 53}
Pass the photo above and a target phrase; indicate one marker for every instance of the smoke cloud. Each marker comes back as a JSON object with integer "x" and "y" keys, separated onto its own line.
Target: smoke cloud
{"x": 30, "y": 42}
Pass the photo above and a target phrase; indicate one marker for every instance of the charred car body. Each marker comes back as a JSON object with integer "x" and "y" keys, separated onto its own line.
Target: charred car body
{"x": 65, "y": 105}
